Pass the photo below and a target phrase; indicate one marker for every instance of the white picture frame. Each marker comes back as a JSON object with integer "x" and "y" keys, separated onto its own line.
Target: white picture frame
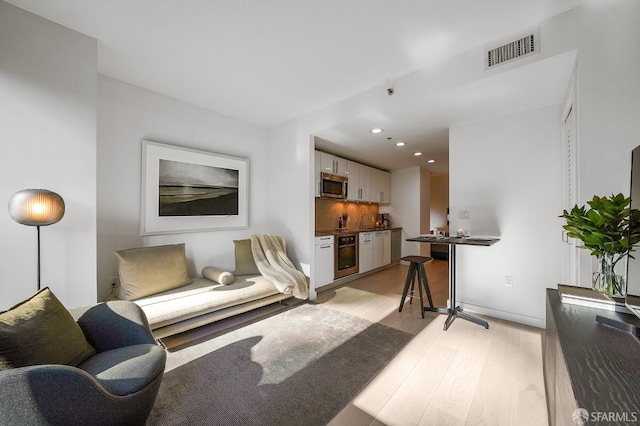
{"x": 188, "y": 190}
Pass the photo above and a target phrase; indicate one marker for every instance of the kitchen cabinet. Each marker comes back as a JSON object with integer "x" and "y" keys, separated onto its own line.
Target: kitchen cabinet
{"x": 380, "y": 186}
{"x": 324, "y": 258}
{"x": 375, "y": 250}
{"x": 375, "y": 185}
{"x": 365, "y": 183}
{"x": 358, "y": 185}
{"x": 385, "y": 187}
{"x": 365, "y": 256}
{"x": 316, "y": 172}
{"x": 386, "y": 247}
{"x": 353, "y": 184}
{"x": 381, "y": 248}
{"x": 396, "y": 245}
{"x": 331, "y": 164}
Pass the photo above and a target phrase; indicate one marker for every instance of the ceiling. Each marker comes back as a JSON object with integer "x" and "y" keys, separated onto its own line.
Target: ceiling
{"x": 424, "y": 125}
{"x": 270, "y": 62}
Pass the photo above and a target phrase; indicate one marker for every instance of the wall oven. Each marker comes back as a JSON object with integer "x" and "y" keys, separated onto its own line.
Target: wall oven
{"x": 332, "y": 186}
{"x": 346, "y": 262}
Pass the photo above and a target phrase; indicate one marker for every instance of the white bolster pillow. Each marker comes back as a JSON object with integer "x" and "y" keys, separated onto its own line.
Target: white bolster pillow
{"x": 215, "y": 274}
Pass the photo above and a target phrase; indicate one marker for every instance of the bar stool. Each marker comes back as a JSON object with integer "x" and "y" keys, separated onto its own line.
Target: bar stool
{"x": 416, "y": 272}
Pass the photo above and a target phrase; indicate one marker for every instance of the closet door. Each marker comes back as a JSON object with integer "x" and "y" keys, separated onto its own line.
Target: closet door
{"x": 570, "y": 184}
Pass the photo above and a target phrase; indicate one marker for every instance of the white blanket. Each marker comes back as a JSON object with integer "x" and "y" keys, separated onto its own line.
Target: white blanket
{"x": 271, "y": 258}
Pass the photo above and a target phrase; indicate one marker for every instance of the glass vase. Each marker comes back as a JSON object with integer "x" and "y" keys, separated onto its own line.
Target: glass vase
{"x": 609, "y": 273}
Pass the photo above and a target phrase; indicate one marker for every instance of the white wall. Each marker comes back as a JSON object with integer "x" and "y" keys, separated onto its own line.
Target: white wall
{"x": 128, "y": 114}
{"x": 521, "y": 205}
{"x": 407, "y": 204}
{"x": 608, "y": 102}
{"x": 48, "y": 133}
{"x": 505, "y": 172}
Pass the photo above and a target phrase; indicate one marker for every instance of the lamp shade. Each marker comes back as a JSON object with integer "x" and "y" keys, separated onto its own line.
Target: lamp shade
{"x": 36, "y": 207}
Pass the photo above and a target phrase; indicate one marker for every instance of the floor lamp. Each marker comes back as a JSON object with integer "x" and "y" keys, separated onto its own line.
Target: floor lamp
{"x": 36, "y": 207}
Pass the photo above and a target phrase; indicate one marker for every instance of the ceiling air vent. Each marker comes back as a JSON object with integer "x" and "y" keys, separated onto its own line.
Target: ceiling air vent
{"x": 524, "y": 46}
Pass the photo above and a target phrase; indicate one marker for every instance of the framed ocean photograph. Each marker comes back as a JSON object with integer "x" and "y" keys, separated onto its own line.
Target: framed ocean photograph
{"x": 187, "y": 190}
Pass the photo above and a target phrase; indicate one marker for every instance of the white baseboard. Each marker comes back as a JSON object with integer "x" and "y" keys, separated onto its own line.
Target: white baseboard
{"x": 507, "y": 316}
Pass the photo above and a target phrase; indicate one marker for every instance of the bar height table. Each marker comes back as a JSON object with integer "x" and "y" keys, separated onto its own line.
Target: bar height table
{"x": 454, "y": 311}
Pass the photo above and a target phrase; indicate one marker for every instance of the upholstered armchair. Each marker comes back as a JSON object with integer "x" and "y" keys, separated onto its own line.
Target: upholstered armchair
{"x": 116, "y": 384}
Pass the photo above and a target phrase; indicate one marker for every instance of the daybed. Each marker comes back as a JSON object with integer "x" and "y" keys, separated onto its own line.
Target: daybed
{"x": 156, "y": 279}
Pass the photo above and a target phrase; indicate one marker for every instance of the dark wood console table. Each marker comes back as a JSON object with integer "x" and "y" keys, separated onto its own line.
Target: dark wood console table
{"x": 589, "y": 365}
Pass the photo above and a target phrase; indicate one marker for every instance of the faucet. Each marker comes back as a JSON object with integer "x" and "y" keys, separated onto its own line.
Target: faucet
{"x": 362, "y": 217}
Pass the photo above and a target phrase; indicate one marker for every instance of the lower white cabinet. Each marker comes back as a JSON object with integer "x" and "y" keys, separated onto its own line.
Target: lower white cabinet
{"x": 375, "y": 250}
{"x": 381, "y": 248}
{"x": 386, "y": 247}
{"x": 365, "y": 257}
{"x": 324, "y": 260}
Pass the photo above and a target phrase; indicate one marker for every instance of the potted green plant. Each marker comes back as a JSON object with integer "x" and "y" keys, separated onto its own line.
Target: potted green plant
{"x": 610, "y": 230}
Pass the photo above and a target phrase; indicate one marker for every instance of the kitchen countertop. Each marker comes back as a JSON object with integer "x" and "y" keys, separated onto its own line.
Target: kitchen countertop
{"x": 352, "y": 231}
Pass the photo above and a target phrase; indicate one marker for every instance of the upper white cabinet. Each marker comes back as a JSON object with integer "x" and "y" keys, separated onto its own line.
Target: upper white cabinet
{"x": 353, "y": 184}
{"x": 380, "y": 186}
{"x": 358, "y": 184}
{"x": 332, "y": 164}
{"x": 375, "y": 185}
{"x": 316, "y": 169}
{"x": 365, "y": 183}
{"x": 385, "y": 187}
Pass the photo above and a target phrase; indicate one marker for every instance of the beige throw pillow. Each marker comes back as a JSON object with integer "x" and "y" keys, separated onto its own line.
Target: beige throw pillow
{"x": 40, "y": 330}
{"x": 217, "y": 275}
{"x": 245, "y": 265}
{"x": 150, "y": 270}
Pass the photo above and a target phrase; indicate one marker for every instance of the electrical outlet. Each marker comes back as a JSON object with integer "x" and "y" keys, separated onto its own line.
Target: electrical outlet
{"x": 113, "y": 281}
{"x": 463, "y": 214}
{"x": 508, "y": 280}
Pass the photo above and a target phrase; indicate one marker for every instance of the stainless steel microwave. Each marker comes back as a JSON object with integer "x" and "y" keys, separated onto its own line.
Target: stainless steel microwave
{"x": 333, "y": 186}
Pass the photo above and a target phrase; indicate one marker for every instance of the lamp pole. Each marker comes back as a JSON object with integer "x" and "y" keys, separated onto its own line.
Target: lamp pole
{"x": 38, "y": 228}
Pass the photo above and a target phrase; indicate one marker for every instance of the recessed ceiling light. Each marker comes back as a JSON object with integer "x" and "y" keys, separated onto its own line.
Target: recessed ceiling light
{"x": 400, "y": 144}
{"x": 417, "y": 154}
{"x": 376, "y": 131}
{"x": 431, "y": 161}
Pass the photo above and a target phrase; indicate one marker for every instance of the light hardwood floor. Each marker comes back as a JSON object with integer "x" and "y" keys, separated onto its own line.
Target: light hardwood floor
{"x": 464, "y": 376}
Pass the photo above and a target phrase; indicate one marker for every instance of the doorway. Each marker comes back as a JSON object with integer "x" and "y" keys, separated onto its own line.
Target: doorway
{"x": 439, "y": 213}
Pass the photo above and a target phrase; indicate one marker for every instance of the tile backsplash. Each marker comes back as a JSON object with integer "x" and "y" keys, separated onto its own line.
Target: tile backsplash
{"x": 329, "y": 211}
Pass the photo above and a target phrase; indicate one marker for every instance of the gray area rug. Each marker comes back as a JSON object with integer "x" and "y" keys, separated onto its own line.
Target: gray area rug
{"x": 300, "y": 367}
